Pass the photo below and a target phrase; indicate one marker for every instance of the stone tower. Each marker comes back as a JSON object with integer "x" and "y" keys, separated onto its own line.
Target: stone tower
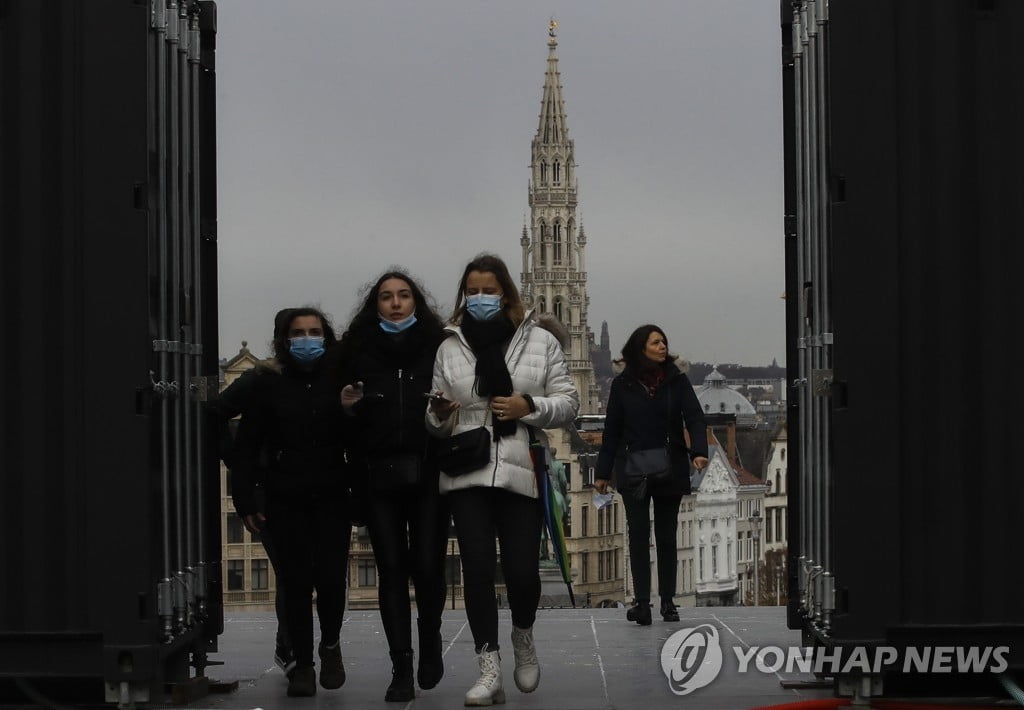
{"x": 554, "y": 276}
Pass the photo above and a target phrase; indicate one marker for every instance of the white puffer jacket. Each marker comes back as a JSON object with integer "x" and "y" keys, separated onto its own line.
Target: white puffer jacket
{"x": 538, "y": 368}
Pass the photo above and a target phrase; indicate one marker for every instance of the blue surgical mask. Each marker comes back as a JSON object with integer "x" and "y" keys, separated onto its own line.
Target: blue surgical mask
{"x": 397, "y": 326}
{"x": 307, "y": 348}
{"x": 483, "y": 306}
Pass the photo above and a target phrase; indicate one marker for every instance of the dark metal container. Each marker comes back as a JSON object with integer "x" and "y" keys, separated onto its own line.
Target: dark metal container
{"x": 904, "y": 222}
{"x": 109, "y": 493}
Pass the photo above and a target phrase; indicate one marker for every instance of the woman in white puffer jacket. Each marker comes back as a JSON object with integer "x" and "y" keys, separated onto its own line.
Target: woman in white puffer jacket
{"x": 501, "y": 370}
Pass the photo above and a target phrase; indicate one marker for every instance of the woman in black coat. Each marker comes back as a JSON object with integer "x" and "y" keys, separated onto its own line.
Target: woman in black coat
{"x": 289, "y": 440}
{"x": 387, "y": 362}
{"x": 650, "y": 404}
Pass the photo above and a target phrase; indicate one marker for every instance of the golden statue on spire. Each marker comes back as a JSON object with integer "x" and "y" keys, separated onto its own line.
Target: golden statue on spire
{"x": 552, "y": 26}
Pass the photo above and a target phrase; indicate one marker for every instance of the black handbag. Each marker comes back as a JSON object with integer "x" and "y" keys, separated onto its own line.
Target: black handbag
{"x": 399, "y": 473}
{"x": 465, "y": 452}
{"x": 651, "y": 465}
{"x": 646, "y": 466}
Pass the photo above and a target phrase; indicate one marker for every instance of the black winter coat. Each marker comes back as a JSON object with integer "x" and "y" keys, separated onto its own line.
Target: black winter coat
{"x": 396, "y": 370}
{"x": 636, "y": 420}
{"x": 290, "y": 436}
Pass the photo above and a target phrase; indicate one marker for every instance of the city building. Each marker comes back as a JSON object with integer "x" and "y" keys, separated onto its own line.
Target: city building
{"x": 554, "y": 276}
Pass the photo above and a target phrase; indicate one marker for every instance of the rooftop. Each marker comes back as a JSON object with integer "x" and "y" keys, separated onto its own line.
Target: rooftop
{"x": 590, "y": 658}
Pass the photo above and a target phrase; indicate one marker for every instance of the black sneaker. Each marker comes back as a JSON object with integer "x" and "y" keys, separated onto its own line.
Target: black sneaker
{"x": 302, "y": 682}
{"x": 332, "y": 671}
{"x": 285, "y": 659}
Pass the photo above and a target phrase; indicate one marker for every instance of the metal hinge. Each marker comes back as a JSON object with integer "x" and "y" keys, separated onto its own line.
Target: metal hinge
{"x": 204, "y": 388}
{"x": 821, "y": 383}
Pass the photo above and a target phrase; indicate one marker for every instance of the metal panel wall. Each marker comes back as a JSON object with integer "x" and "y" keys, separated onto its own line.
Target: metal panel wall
{"x": 109, "y": 501}
{"x": 904, "y": 185}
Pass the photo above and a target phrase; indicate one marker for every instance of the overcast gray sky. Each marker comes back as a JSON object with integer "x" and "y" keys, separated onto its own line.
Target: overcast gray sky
{"x": 354, "y": 135}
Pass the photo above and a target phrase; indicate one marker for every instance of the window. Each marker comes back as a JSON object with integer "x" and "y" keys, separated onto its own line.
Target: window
{"x": 236, "y": 530}
{"x": 714, "y": 523}
{"x": 714, "y": 560}
{"x": 783, "y": 453}
{"x": 615, "y": 557}
{"x": 366, "y": 573}
{"x": 584, "y": 561}
{"x": 558, "y": 246}
{"x": 600, "y": 563}
{"x": 728, "y": 553}
{"x": 558, "y": 301}
{"x": 543, "y": 173}
{"x": 600, "y": 523}
{"x": 584, "y": 515}
{"x": 236, "y": 575}
{"x": 615, "y": 517}
{"x": 768, "y": 527}
{"x": 260, "y": 574}
{"x": 556, "y": 173}
{"x": 701, "y": 569}
{"x": 778, "y": 481}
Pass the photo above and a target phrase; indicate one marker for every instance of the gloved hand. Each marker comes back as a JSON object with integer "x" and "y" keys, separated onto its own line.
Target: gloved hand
{"x": 350, "y": 394}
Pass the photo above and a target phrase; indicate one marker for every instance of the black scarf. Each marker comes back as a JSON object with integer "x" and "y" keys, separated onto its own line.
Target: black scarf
{"x": 487, "y": 340}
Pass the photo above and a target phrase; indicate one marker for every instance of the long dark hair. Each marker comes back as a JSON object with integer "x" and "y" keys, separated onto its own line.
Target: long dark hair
{"x": 633, "y": 350}
{"x": 489, "y": 263}
{"x": 283, "y": 323}
{"x": 366, "y": 317}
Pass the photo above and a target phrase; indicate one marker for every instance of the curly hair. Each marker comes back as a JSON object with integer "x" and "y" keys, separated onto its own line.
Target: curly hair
{"x": 366, "y": 318}
{"x": 492, "y": 264}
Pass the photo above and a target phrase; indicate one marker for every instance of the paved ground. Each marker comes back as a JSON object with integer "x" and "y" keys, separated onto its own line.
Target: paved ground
{"x": 590, "y": 658}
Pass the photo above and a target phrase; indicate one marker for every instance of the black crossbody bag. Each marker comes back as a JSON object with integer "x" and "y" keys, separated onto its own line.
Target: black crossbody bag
{"x": 464, "y": 453}
{"x": 645, "y": 466}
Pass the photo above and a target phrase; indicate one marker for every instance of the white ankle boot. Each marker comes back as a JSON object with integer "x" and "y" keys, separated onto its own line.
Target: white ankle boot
{"x": 527, "y": 673}
{"x": 487, "y": 690}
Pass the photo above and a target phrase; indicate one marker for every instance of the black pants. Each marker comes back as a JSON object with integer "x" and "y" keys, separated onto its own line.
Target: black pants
{"x": 312, "y": 539}
{"x": 281, "y": 595}
{"x": 480, "y": 514}
{"x": 409, "y": 535}
{"x": 639, "y": 522}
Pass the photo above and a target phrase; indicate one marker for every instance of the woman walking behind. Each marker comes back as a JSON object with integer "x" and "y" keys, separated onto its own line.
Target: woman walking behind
{"x": 499, "y": 370}
{"x": 650, "y": 404}
{"x": 289, "y": 437}
{"x": 387, "y": 359}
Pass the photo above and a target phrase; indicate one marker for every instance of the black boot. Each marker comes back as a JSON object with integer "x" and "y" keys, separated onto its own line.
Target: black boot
{"x": 401, "y": 688}
{"x": 668, "y": 610}
{"x": 332, "y": 670}
{"x": 641, "y": 613}
{"x": 302, "y": 682}
{"x": 431, "y": 668}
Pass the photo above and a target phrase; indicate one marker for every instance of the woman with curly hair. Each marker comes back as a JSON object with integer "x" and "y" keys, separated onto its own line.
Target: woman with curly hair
{"x": 387, "y": 359}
